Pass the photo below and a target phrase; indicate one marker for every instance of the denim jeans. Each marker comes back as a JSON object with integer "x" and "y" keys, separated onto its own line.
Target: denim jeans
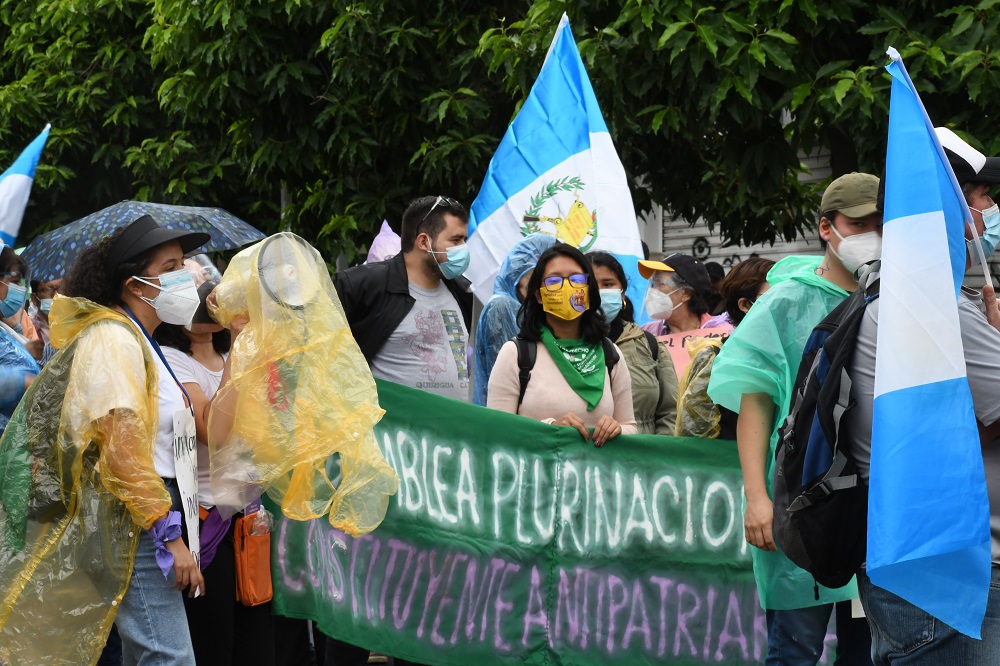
{"x": 904, "y": 635}
{"x": 151, "y": 620}
{"x": 795, "y": 637}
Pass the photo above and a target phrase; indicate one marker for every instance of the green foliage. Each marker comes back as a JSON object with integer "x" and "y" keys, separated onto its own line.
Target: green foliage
{"x": 353, "y": 108}
{"x": 356, "y": 107}
{"x": 80, "y": 66}
{"x": 712, "y": 104}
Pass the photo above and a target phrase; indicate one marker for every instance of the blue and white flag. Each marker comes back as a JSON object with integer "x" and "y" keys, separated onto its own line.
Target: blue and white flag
{"x": 556, "y": 171}
{"x": 15, "y": 188}
{"x": 928, "y": 511}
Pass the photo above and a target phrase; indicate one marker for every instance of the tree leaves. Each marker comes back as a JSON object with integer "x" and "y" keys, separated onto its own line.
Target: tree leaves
{"x": 357, "y": 107}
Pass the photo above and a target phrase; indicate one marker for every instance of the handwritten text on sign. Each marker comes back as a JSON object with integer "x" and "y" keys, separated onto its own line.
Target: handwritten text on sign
{"x": 515, "y": 542}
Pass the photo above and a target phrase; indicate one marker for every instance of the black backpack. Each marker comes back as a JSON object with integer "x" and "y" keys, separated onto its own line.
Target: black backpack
{"x": 820, "y": 502}
{"x": 527, "y": 351}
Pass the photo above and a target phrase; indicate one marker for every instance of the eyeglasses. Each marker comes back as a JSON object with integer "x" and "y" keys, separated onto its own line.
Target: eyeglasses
{"x": 11, "y": 278}
{"x": 555, "y": 282}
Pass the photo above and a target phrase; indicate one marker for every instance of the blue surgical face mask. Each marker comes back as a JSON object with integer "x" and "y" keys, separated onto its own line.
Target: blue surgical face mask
{"x": 991, "y": 233}
{"x": 45, "y": 304}
{"x": 611, "y": 303}
{"x": 457, "y": 263}
{"x": 16, "y": 294}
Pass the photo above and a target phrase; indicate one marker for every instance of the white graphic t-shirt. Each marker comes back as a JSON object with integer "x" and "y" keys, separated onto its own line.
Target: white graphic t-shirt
{"x": 427, "y": 351}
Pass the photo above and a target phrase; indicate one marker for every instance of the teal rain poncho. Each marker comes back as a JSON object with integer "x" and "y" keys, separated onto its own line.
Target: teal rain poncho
{"x": 762, "y": 356}
{"x": 498, "y": 322}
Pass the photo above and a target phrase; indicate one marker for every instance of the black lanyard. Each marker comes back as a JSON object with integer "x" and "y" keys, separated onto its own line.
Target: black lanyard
{"x": 159, "y": 353}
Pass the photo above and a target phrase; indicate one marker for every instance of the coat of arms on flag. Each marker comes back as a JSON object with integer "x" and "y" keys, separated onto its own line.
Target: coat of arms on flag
{"x": 557, "y": 172}
{"x": 574, "y": 227}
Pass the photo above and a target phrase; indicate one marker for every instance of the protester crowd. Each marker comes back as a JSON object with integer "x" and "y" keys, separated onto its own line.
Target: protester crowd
{"x": 558, "y": 342}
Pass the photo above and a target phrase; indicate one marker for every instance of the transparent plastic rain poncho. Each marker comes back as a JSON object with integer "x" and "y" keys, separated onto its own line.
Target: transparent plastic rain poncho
{"x": 697, "y": 414}
{"x": 76, "y": 483}
{"x": 299, "y": 392}
{"x": 762, "y": 356}
{"x": 498, "y": 321}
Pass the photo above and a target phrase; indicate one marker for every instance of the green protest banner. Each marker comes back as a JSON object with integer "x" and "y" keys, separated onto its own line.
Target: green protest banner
{"x": 514, "y": 542}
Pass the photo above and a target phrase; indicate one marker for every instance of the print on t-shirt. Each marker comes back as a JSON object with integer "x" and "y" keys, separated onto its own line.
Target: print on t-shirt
{"x": 439, "y": 340}
{"x": 428, "y": 348}
{"x": 455, "y": 329}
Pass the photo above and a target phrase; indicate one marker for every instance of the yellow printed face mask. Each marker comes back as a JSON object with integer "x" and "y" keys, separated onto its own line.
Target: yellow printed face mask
{"x": 566, "y": 298}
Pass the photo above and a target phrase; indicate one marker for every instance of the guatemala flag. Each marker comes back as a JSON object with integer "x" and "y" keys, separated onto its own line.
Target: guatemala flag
{"x": 15, "y": 187}
{"x": 556, "y": 171}
{"x": 928, "y": 512}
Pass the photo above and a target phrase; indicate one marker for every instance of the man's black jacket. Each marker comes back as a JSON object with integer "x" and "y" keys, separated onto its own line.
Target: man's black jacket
{"x": 376, "y": 299}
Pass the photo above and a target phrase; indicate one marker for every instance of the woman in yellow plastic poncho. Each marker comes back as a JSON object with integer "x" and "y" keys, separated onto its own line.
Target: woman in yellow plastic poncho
{"x": 88, "y": 527}
{"x": 294, "y": 417}
{"x": 697, "y": 414}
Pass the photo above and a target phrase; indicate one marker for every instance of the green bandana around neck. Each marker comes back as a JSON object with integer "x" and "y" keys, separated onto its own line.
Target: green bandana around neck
{"x": 581, "y": 364}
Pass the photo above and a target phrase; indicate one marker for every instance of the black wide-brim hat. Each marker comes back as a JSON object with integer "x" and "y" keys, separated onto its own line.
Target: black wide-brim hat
{"x": 145, "y": 234}
{"x": 201, "y": 316}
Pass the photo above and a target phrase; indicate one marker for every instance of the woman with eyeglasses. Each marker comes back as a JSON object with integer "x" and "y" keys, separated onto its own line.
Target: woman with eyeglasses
{"x": 17, "y": 364}
{"x": 578, "y": 379}
{"x": 89, "y": 504}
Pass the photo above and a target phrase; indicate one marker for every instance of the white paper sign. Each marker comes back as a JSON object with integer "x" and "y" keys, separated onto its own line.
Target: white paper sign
{"x": 186, "y": 469}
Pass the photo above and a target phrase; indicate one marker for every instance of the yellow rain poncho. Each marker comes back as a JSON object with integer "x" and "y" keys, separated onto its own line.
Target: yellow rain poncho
{"x": 77, "y": 483}
{"x": 697, "y": 414}
{"x": 299, "y": 392}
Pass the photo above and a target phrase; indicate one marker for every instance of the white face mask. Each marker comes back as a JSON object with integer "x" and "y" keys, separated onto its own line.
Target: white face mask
{"x": 857, "y": 250}
{"x": 659, "y": 305}
{"x": 178, "y": 298}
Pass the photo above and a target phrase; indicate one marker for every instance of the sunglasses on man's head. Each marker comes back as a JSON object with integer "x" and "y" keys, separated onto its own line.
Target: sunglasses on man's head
{"x": 442, "y": 200}
{"x": 555, "y": 282}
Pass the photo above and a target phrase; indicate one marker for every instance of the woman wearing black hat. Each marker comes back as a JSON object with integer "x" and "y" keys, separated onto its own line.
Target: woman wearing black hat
{"x": 89, "y": 505}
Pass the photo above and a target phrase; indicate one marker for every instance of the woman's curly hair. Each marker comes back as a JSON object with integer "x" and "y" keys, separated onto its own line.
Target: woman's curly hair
{"x": 91, "y": 278}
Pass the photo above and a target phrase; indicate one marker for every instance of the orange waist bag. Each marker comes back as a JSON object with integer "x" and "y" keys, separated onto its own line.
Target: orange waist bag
{"x": 253, "y": 563}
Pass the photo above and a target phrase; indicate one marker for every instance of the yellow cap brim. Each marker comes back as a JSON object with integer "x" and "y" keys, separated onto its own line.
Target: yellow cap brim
{"x": 648, "y": 267}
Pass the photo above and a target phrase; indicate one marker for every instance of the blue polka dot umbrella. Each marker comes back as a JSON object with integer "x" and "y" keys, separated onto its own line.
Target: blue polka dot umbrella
{"x": 51, "y": 255}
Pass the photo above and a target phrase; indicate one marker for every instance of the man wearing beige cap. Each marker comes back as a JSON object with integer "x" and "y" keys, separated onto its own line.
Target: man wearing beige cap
{"x": 754, "y": 375}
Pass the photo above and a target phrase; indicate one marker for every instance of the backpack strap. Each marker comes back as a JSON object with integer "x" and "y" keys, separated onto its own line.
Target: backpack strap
{"x": 610, "y": 355}
{"x": 654, "y": 347}
{"x": 833, "y": 481}
{"x": 526, "y": 352}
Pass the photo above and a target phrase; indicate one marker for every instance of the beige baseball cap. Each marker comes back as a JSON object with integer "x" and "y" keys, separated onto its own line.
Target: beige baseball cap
{"x": 853, "y": 194}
